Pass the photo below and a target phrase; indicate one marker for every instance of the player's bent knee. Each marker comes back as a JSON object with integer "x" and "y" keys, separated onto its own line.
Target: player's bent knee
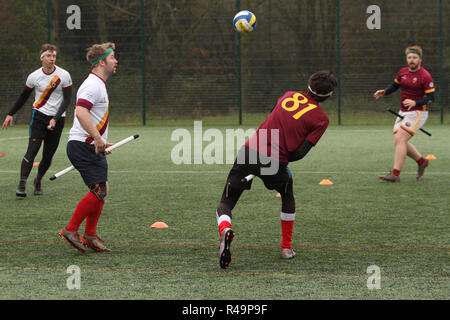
{"x": 99, "y": 190}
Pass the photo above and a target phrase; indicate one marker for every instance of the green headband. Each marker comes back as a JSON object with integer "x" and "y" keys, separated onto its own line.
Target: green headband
{"x": 414, "y": 51}
{"x": 108, "y": 51}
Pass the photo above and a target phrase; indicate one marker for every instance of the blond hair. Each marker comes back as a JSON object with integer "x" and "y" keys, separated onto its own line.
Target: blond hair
{"x": 97, "y": 50}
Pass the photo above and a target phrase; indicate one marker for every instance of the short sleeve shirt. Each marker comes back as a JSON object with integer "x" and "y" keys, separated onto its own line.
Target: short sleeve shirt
{"x": 414, "y": 86}
{"x": 93, "y": 96}
{"x": 49, "y": 89}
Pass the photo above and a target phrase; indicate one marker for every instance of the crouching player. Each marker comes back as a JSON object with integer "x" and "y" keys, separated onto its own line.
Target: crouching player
{"x": 293, "y": 127}
{"x": 86, "y": 147}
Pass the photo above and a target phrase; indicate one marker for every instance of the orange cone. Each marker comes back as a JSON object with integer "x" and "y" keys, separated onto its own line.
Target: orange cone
{"x": 325, "y": 182}
{"x": 36, "y": 164}
{"x": 159, "y": 225}
{"x": 430, "y": 157}
{"x": 278, "y": 195}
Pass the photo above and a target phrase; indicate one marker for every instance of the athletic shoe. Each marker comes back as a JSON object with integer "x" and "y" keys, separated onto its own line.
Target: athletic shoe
{"x": 20, "y": 192}
{"x": 225, "y": 247}
{"x": 73, "y": 238}
{"x": 421, "y": 169}
{"x": 37, "y": 188}
{"x": 287, "y": 253}
{"x": 390, "y": 177}
{"x": 95, "y": 243}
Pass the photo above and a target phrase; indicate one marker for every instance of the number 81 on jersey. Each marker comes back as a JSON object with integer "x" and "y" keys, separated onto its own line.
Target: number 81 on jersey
{"x": 296, "y": 103}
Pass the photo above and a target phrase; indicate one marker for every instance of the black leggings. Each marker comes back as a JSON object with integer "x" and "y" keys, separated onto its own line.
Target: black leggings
{"x": 39, "y": 133}
{"x": 281, "y": 182}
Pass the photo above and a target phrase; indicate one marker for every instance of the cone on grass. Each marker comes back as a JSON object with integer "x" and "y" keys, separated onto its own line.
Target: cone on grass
{"x": 159, "y": 225}
{"x": 430, "y": 157}
{"x": 35, "y": 164}
{"x": 325, "y": 182}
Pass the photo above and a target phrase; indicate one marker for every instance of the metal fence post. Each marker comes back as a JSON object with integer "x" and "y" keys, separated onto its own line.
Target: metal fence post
{"x": 238, "y": 8}
{"x": 49, "y": 27}
{"x": 441, "y": 64}
{"x": 143, "y": 73}
{"x": 338, "y": 56}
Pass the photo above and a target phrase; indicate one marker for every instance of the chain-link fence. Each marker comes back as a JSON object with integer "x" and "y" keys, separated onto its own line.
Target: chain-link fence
{"x": 182, "y": 59}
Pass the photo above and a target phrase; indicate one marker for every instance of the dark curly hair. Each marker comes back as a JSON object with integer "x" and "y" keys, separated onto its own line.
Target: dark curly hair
{"x": 321, "y": 83}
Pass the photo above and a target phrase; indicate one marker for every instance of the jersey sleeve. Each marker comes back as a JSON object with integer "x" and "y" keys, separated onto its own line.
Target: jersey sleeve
{"x": 67, "y": 81}
{"x": 86, "y": 97}
{"x": 317, "y": 131}
{"x": 31, "y": 81}
{"x": 428, "y": 84}
{"x": 397, "y": 79}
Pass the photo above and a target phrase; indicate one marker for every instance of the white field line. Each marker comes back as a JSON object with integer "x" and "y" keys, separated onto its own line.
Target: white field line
{"x": 25, "y": 137}
{"x": 226, "y": 171}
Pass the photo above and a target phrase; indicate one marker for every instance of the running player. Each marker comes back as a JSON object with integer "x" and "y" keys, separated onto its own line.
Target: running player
{"x": 417, "y": 94}
{"x": 53, "y": 91}
{"x": 293, "y": 127}
{"x": 86, "y": 147}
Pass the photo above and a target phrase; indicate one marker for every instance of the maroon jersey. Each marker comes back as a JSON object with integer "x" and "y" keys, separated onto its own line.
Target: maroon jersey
{"x": 414, "y": 86}
{"x": 297, "y": 117}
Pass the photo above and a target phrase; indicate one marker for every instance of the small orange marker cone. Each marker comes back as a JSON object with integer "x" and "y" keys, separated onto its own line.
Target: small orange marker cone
{"x": 36, "y": 164}
{"x": 159, "y": 225}
{"x": 278, "y": 195}
{"x": 430, "y": 157}
{"x": 325, "y": 182}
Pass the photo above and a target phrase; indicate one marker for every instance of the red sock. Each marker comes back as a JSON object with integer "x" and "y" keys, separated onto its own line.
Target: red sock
{"x": 223, "y": 222}
{"x": 83, "y": 209}
{"x": 421, "y": 161}
{"x": 92, "y": 219}
{"x": 287, "y": 228}
{"x": 396, "y": 172}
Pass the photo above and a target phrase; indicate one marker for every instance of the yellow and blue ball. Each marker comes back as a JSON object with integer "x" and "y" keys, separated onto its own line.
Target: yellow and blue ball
{"x": 244, "y": 21}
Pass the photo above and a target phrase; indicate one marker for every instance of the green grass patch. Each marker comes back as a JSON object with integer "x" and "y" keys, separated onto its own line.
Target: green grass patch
{"x": 339, "y": 232}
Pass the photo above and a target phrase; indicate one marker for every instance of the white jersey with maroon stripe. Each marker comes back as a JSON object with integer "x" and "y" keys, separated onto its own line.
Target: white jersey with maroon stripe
{"x": 48, "y": 89}
{"x": 93, "y": 96}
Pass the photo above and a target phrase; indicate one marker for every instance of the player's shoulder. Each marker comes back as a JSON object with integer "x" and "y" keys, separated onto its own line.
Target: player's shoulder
{"x": 425, "y": 72}
{"x": 36, "y": 73}
{"x": 90, "y": 85}
{"x": 404, "y": 70}
{"x": 62, "y": 71}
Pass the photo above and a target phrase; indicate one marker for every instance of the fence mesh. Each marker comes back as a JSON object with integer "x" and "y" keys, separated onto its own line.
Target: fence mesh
{"x": 182, "y": 59}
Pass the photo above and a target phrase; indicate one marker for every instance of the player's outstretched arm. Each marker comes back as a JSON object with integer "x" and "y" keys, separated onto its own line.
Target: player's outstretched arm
{"x": 21, "y": 101}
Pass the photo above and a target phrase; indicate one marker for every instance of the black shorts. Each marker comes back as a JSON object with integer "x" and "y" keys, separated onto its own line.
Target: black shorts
{"x": 92, "y": 167}
{"x": 277, "y": 181}
{"x": 38, "y": 127}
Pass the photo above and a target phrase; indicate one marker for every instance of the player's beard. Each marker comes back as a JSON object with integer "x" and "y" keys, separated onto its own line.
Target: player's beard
{"x": 414, "y": 66}
{"x": 112, "y": 69}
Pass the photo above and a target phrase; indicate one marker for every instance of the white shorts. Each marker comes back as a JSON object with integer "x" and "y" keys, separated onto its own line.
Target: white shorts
{"x": 412, "y": 121}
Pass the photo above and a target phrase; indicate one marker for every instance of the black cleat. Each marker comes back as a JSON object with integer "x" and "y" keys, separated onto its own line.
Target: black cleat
{"x": 225, "y": 248}
{"x": 20, "y": 192}
{"x": 37, "y": 188}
